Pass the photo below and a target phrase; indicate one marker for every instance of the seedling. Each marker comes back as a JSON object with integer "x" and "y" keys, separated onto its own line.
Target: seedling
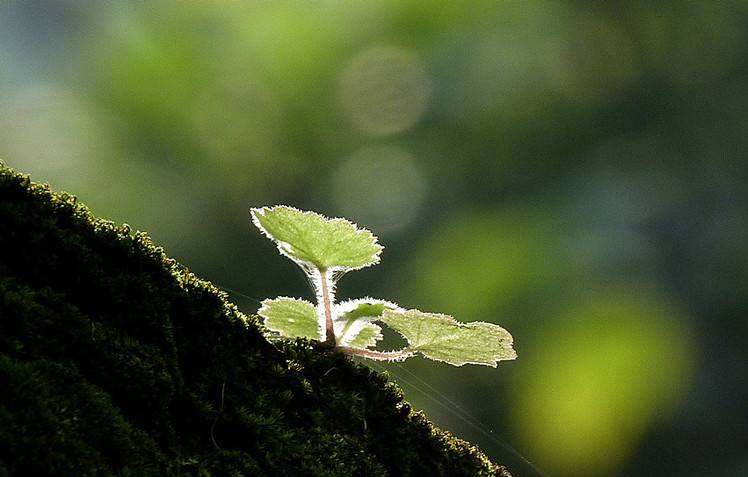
{"x": 326, "y": 249}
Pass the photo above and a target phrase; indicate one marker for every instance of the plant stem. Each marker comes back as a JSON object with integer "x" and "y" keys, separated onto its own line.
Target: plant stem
{"x": 327, "y": 292}
{"x": 398, "y": 355}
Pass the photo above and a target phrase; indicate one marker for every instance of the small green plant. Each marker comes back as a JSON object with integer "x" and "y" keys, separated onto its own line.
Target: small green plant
{"x": 326, "y": 249}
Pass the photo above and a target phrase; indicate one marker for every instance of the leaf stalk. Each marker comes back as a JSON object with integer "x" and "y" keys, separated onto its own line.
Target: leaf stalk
{"x": 327, "y": 292}
{"x": 399, "y": 355}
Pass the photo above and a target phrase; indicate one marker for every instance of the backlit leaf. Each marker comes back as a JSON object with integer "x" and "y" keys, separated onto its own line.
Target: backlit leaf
{"x": 366, "y": 337}
{"x": 291, "y": 317}
{"x": 313, "y": 240}
{"x": 442, "y": 338}
{"x": 353, "y": 322}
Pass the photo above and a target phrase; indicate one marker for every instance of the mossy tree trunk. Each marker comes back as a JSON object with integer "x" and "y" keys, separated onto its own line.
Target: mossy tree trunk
{"x": 115, "y": 360}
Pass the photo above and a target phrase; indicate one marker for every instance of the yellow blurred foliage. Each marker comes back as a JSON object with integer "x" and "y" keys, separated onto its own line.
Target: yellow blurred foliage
{"x": 598, "y": 378}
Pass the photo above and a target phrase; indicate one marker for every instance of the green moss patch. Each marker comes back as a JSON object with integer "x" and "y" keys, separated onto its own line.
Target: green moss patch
{"x": 116, "y": 360}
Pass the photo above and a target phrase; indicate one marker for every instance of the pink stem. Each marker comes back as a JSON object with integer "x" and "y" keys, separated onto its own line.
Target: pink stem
{"x": 329, "y": 330}
{"x": 398, "y": 355}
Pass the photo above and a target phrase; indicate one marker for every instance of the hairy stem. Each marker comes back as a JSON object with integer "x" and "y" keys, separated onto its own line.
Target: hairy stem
{"x": 328, "y": 299}
{"x": 398, "y": 355}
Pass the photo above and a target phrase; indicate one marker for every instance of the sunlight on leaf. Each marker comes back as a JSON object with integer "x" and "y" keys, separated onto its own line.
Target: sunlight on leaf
{"x": 311, "y": 239}
{"x": 325, "y": 248}
{"x": 353, "y": 323}
{"x": 366, "y": 337}
{"x": 442, "y": 338}
{"x": 291, "y": 317}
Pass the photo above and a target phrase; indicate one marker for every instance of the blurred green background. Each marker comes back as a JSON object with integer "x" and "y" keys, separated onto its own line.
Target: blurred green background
{"x": 574, "y": 171}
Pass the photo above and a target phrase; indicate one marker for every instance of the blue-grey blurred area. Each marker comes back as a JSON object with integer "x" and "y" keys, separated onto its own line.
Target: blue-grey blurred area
{"x": 574, "y": 171}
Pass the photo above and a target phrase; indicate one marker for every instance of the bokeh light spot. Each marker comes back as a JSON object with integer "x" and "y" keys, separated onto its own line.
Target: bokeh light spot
{"x": 381, "y": 187}
{"x": 385, "y": 90}
{"x": 598, "y": 378}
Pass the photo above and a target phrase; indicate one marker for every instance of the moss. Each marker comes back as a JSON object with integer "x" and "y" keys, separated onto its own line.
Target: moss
{"x": 115, "y": 360}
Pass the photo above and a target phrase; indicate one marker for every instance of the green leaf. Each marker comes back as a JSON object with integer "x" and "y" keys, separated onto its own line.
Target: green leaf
{"x": 441, "y": 338}
{"x": 367, "y": 336}
{"x": 353, "y": 322}
{"x": 311, "y": 239}
{"x": 291, "y": 317}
